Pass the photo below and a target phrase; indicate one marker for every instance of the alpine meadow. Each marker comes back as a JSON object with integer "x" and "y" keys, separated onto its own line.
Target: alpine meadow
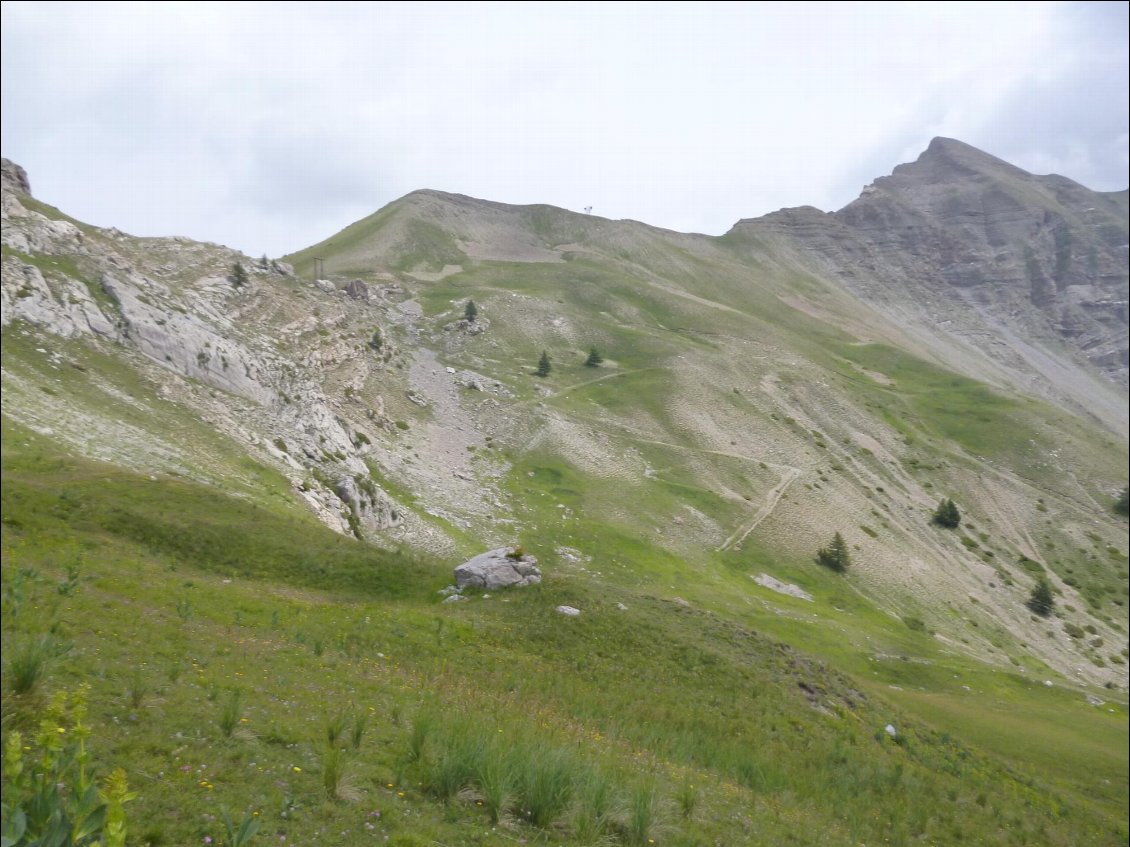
{"x": 816, "y": 530}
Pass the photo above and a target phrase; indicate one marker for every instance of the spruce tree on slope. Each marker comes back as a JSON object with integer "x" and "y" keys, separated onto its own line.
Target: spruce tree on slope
{"x": 835, "y": 555}
{"x": 238, "y": 275}
{"x": 947, "y": 514}
{"x": 1042, "y": 601}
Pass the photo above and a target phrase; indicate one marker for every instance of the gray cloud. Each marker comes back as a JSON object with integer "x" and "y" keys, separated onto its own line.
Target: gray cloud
{"x": 270, "y": 126}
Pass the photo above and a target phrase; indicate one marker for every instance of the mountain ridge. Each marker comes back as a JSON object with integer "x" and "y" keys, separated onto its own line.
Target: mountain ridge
{"x": 1084, "y": 307}
{"x": 184, "y": 425}
{"x": 755, "y": 368}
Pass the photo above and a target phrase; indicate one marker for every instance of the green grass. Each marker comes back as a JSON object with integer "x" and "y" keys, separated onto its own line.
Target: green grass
{"x": 179, "y": 519}
{"x": 26, "y": 665}
{"x": 317, "y": 684}
{"x": 423, "y": 244}
{"x": 604, "y": 719}
{"x": 944, "y": 404}
{"x": 52, "y": 213}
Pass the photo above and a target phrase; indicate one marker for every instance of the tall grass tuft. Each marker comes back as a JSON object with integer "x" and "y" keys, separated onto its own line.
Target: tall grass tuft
{"x": 360, "y": 721}
{"x": 229, "y": 714}
{"x": 687, "y": 799}
{"x": 184, "y": 610}
{"x": 28, "y": 665}
{"x": 458, "y": 760}
{"x": 335, "y": 728}
{"x": 494, "y": 776}
{"x": 137, "y": 690}
{"x": 544, "y": 784}
{"x": 417, "y": 739}
{"x": 643, "y": 811}
{"x": 596, "y": 807}
{"x": 332, "y": 771}
{"x": 335, "y": 779}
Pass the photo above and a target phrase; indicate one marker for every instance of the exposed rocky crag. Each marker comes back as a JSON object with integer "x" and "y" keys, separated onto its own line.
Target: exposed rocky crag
{"x": 1029, "y": 271}
{"x": 15, "y": 179}
{"x": 172, "y": 303}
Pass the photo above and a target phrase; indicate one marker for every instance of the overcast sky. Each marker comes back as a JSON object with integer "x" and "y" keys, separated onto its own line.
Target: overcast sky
{"x": 269, "y": 126}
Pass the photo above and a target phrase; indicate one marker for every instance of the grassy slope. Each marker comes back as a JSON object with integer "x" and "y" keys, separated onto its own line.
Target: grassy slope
{"x": 184, "y": 596}
{"x": 710, "y": 354}
{"x": 310, "y": 624}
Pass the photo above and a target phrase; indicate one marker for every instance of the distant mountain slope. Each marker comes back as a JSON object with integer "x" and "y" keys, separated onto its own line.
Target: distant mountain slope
{"x": 805, "y": 374}
{"x": 1010, "y": 277}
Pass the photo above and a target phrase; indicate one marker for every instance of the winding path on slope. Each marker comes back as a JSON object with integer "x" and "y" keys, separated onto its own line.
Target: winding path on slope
{"x": 789, "y": 474}
{"x": 771, "y": 501}
{"x": 567, "y": 389}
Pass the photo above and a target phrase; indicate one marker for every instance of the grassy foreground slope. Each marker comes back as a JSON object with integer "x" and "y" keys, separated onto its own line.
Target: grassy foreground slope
{"x": 239, "y": 659}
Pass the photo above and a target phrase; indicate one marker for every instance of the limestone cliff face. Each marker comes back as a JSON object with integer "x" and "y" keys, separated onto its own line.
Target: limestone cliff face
{"x": 961, "y": 246}
{"x": 169, "y": 304}
{"x": 1043, "y": 251}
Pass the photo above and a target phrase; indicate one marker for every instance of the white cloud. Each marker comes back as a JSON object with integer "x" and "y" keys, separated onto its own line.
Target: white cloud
{"x": 269, "y": 126}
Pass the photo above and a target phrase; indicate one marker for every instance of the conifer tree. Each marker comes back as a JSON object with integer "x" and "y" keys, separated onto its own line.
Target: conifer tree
{"x": 835, "y": 555}
{"x": 471, "y": 311}
{"x": 594, "y": 359}
{"x": 1042, "y": 601}
{"x": 543, "y": 364}
{"x": 238, "y": 275}
{"x": 947, "y": 514}
{"x": 1123, "y": 504}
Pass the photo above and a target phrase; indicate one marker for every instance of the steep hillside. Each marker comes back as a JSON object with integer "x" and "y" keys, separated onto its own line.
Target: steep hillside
{"x": 954, "y": 333}
{"x": 1017, "y": 279}
{"x": 244, "y": 665}
{"x": 745, "y": 407}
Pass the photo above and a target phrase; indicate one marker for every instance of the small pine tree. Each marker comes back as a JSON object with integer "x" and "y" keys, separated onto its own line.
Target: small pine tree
{"x": 835, "y": 555}
{"x": 238, "y": 275}
{"x": 264, "y": 262}
{"x": 594, "y": 360}
{"x": 1042, "y": 601}
{"x": 1123, "y": 506}
{"x": 543, "y": 364}
{"x": 471, "y": 311}
{"x": 947, "y": 514}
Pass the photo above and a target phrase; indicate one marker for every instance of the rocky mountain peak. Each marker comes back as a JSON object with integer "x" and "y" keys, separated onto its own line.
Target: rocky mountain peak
{"x": 15, "y": 178}
{"x": 950, "y": 164}
{"x": 959, "y": 155}
{"x": 964, "y": 247}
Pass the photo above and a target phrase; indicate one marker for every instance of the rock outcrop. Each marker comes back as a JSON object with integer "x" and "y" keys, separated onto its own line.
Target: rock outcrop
{"x": 15, "y": 178}
{"x": 499, "y": 568}
{"x": 357, "y": 290}
{"x": 960, "y": 246}
{"x": 367, "y": 503}
{"x": 181, "y": 314}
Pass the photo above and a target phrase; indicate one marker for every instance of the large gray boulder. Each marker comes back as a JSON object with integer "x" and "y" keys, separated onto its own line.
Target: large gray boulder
{"x": 498, "y": 569}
